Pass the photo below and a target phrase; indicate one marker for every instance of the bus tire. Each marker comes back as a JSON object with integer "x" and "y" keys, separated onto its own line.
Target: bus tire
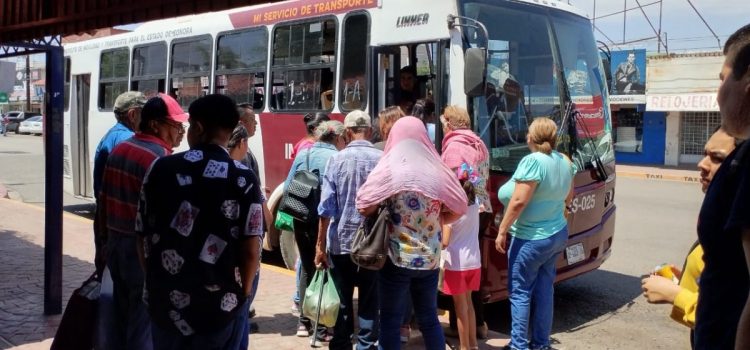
{"x": 288, "y": 248}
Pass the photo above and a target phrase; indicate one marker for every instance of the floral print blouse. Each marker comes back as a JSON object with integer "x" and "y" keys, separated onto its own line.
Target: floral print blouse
{"x": 416, "y": 235}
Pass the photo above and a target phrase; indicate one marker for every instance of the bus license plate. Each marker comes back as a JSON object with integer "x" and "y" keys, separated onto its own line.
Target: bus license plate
{"x": 575, "y": 253}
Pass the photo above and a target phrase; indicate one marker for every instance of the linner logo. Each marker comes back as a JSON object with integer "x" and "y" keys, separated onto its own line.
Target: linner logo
{"x": 412, "y": 20}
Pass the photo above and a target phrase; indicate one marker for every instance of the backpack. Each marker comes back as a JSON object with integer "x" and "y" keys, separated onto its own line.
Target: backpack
{"x": 302, "y": 195}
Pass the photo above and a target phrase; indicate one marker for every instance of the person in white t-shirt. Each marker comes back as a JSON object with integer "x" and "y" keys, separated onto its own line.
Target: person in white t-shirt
{"x": 463, "y": 261}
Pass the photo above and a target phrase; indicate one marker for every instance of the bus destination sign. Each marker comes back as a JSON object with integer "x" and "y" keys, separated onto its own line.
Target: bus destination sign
{"x": 296, "y": 10}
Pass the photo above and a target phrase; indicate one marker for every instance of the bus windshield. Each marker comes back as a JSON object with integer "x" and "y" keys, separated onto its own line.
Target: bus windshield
{"x": 529, "y": 48}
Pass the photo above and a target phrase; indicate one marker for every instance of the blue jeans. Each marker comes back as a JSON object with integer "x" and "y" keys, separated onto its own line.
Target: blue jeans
{"x": 227, "y": 338}
{"x": 130, "y": 315}
{"x": 396, "y": 286}
{"x": 531, "y": 271}
{"x": 346, "y": 274}
{"x": 243, "y": 319}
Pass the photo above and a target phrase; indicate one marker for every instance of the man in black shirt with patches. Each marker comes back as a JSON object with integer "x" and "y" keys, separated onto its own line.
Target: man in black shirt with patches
{"x": 723, "y": 315}
{"x": 200, "y": 222}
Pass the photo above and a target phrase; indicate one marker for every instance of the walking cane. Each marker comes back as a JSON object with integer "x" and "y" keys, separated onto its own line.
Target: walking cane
{"x": 317, "y": 313}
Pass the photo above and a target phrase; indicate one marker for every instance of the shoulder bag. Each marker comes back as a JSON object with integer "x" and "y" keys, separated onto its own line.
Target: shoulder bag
{"x": 370, "y": 244}
{"x": 302, "y": 195}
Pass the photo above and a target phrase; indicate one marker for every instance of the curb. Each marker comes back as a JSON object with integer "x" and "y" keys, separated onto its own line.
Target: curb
{"x": 660, "y": 177}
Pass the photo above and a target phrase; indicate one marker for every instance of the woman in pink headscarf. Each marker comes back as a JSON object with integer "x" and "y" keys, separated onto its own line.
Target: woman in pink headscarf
{"x": 422, "y": 194}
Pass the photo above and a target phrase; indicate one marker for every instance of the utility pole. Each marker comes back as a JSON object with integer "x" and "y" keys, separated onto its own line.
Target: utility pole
{"x": 28, "y": 85}
{"x": 624, "y": 19}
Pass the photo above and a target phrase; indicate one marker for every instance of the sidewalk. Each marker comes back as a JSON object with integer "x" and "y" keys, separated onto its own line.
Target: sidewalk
{"x": 23, "y": 325}
{"x": 659, "y": 173}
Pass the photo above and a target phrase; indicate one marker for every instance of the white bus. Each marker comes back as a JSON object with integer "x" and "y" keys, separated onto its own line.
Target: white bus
{"x": 506, "y": 61}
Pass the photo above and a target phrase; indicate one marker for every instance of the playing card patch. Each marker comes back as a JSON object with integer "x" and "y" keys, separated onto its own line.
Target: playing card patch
{"x": 254, "y": 220}
{"x": 184, "y": 327}
{"x": 216, "y": 170}
{"x": 230, "y": 209}
{"x": 184, "y": 180}
{"x": 171, "y": 261}
{"x": 229, "y": 302}
{"x": 241, "y": 182}
{"x": 237, "y": 276}
{"x": 234, "y": 232}
{"x": 212, "y": 249}
{"x": 174, "y": 315}
{"x": 179, "y": 299}
{"x": 212, "y": 287}
{"x": 146, "y": 249}
{"x": 239, "y": 164}
{"x": 138, "y": 222}
{"x": 194, "y": 156}
{"x": 184, "y": 219}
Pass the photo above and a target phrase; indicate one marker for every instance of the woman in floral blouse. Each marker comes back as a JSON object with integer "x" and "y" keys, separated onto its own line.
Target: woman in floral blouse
{"x": 419, "y": 205}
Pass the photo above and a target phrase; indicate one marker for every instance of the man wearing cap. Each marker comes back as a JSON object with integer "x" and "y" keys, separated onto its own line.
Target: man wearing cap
{"x": 345, "y": 173}
{"x": 160, "y": 128}
{"x": 127, "y": 111}
{"x": 201, "y": 223}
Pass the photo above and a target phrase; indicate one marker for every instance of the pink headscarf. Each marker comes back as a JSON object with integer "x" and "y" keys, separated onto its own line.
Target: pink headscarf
{"x": 410, "y": 163}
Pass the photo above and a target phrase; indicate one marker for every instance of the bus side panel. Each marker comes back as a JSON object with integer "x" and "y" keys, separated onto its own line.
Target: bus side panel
{"x": 281, "y": 131}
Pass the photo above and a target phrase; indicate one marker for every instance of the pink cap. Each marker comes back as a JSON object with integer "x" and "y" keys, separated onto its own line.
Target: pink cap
{"x": 174, "y": 109}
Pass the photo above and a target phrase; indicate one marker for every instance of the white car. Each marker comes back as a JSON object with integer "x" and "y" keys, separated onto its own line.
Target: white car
{"x": 32, "y": 125}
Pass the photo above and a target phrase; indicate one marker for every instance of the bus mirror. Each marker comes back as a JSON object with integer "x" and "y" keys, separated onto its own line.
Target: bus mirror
{"x": 475, "y": 71}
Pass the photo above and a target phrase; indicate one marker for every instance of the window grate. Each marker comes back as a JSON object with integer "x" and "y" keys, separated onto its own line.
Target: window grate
{"x": 695, "y": 129}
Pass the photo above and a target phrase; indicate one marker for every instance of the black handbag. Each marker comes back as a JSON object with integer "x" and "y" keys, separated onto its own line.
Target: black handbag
{"x": 76, "y": 330}
{"x": 302, "y": 195}
{"x": 370, "y": 244}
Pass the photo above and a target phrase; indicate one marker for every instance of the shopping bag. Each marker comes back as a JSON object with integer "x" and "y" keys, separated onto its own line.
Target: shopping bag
{"x": 284, "y": 221}
{"x": 76, "y": 330}
{"x": 321, "y": 300}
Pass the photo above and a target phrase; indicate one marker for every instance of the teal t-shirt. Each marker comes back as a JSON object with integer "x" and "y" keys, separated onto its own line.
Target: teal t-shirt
{"x": 544, "y": 215}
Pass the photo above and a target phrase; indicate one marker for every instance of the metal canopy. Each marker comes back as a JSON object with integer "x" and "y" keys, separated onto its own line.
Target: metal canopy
{"x": 27, "y": 19}
{"x": 36, "y": 26}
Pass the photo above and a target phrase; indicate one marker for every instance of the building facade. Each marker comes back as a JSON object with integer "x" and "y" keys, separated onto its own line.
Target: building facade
{"x": 670, "y": 123}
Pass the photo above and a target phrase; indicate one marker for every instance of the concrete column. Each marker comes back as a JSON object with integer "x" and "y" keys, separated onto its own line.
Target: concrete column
{"x": 672, "y": 144}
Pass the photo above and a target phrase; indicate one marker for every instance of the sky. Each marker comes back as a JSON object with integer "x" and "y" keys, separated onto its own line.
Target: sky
{"x": 685, "y": 30}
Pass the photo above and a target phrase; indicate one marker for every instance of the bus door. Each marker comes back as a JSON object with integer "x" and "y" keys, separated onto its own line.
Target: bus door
{"x": 79, "y": 122}
{"x": 389, "y": 89}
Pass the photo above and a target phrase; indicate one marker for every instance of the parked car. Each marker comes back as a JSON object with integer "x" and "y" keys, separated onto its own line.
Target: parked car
{"x": 16, "y": 117}
{"x": 32, "y": 125}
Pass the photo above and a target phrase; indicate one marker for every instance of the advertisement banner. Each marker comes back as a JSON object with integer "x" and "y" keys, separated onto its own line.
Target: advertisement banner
{"x": 628, "y": 77}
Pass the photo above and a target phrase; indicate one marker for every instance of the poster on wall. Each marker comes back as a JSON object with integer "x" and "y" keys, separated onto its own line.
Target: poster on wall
{"x": 628, "y": 77}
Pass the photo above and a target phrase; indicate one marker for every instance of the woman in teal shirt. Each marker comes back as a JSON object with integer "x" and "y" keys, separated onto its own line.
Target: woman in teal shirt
{"x": 534, "y": 201}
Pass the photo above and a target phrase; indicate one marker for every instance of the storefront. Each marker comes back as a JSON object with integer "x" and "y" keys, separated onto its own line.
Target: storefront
{"x": 684, "y": 88}
{"x": 638, "y": 134}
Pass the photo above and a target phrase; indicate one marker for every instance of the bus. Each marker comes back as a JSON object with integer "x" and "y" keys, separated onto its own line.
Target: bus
{"x": 506, "y": 61}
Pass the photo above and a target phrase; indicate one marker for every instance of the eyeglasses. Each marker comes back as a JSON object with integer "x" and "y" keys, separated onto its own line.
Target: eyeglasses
{"x": 179, "y": 126}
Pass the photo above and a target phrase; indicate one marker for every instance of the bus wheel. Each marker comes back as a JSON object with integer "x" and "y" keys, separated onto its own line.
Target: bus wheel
{"x": 288, "y": 249}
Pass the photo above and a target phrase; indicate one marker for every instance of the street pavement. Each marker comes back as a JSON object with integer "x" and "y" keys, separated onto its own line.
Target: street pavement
{"x": 603, "y": 309}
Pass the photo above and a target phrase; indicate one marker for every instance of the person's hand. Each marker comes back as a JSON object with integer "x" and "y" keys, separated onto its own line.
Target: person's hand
{"x": 321, "y": 259}
{"x": 657, "y": 289}
{"x": 500, "y": 242}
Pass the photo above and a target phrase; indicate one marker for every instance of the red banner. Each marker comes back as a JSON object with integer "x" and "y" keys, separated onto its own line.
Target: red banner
{"x": 295, "y": 10}
{"x": 592, "y": 117}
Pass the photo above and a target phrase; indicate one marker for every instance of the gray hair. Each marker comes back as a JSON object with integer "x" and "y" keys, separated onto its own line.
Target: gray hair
{"x": 327, "y": 131}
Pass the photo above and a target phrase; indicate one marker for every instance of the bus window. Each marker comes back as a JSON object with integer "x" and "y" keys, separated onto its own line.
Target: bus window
{"x": 113, "y": 76}
{"x": 354, "y": 67}
{"x": 241, "y": 66}
{"x": 304, "y": 58}
{"x": 149, "y": 70}
{"x": 190, "y": 69}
